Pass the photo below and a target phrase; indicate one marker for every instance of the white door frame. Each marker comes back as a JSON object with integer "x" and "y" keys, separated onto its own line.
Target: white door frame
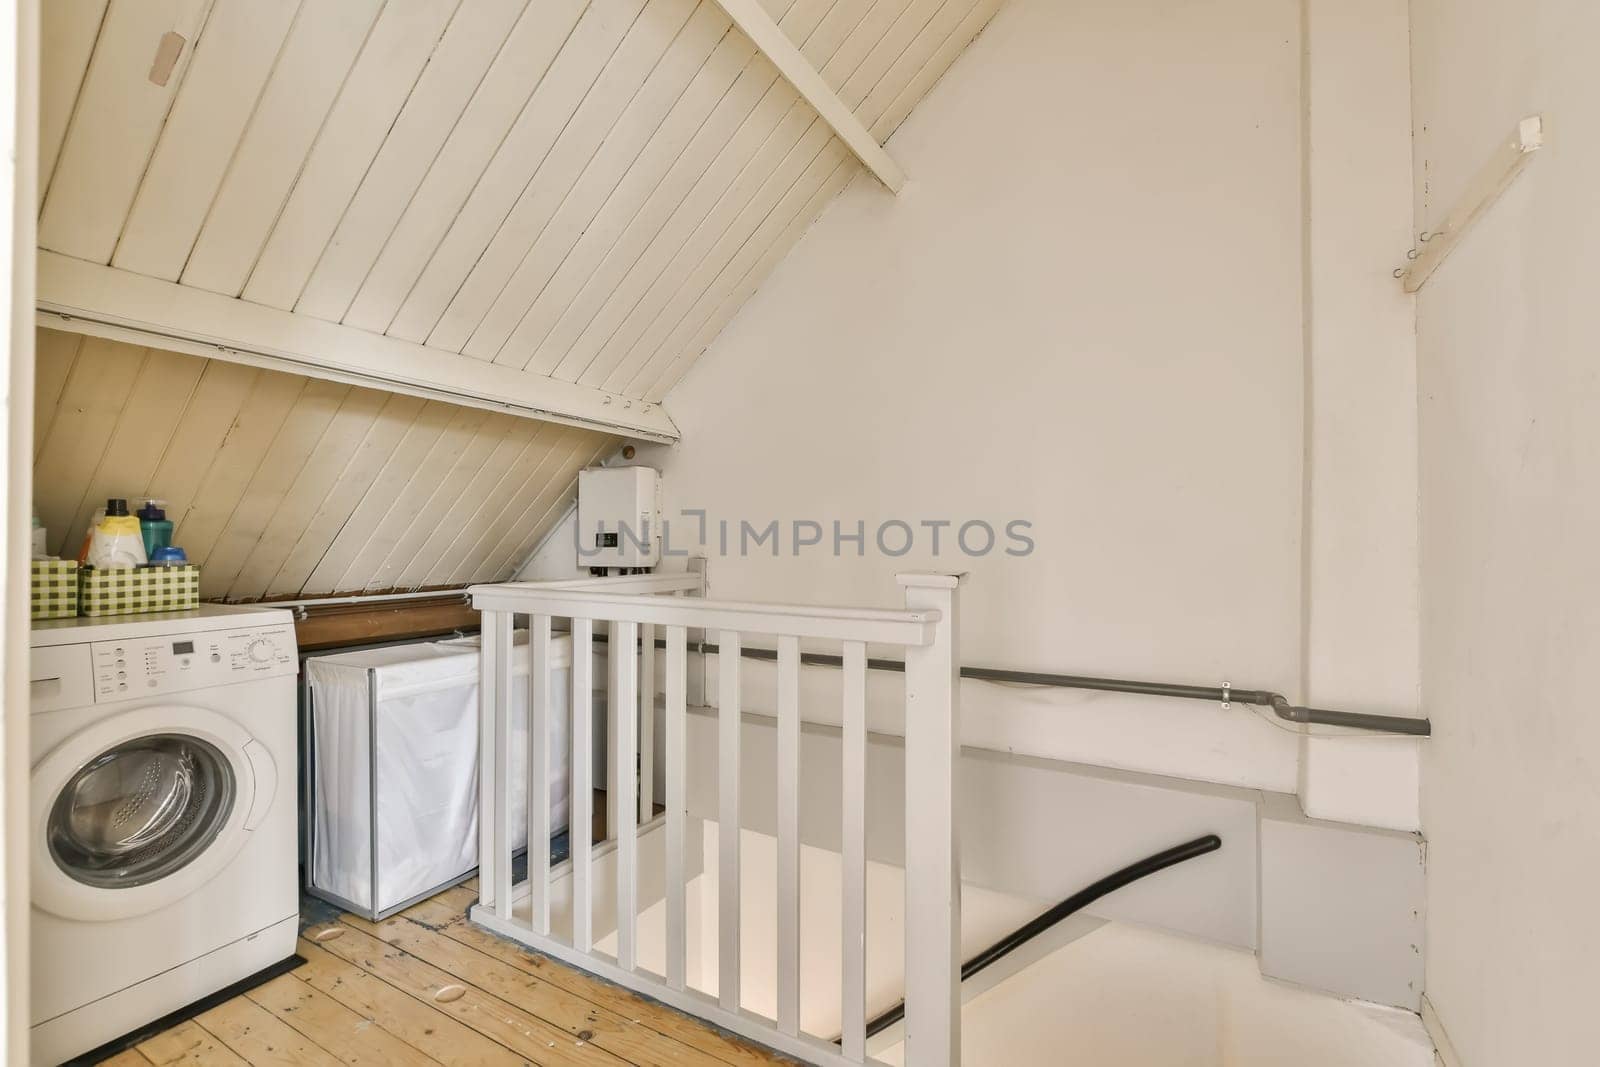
{"x": 19, "y": 140}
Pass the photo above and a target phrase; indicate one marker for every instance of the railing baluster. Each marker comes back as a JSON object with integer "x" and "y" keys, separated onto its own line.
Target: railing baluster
{"x": 496, "y": 639}
{"x": 789, "y": 835}
{"x": 677, "y": 771}
{"x": 613, "y": 663}
{"x": 539, "y": 772}
{"x": 854, "y": 852}
{"x": 728, "y": 723}
{"x": 624, "y": 776}
{"x": 580, "y": 818}
{"x": 487, "y": 760}
{"x": 933, "y": 860}
{"x": 647, "y": 722}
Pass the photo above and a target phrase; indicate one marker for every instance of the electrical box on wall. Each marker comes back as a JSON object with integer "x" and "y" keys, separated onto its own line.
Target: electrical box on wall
{"x": 619, "y": 517}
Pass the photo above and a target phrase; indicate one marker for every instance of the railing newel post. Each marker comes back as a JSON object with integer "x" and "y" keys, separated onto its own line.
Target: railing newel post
{"x": 933, "y": 857}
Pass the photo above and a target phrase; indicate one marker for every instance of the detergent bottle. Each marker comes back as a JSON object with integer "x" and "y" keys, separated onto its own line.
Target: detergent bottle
{"x": 116, "y": 541}
{"x": 154, "y": 527}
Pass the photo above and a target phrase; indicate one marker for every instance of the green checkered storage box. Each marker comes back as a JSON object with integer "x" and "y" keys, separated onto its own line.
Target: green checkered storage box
{"x": 133, "y": 590}
{"x": 55, "y": 588}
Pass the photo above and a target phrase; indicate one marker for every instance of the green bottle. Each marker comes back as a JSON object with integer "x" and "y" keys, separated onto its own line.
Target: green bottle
{"x": 155, "y": 527}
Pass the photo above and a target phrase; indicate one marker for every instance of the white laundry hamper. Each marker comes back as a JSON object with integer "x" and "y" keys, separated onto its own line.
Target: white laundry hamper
{"x": 394, "y": 731}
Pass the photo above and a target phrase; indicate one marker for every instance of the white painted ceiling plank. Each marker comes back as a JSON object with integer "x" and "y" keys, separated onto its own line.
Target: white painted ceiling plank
{"x": 605, "y": 107}
{"x": 467, "y": 513}
{"x": 200, "y": 526}
{"x": 628, "y": 346}
{"x": 977, "y": 17}
{"x": 770, "y": 39}
{"x": 557, "y": 266}
{"x": 532, "y": 526}
{"x": 322, "y": 529}
{"x": 707, "y": 115}
{"x": 754, "y": 277}
{"x": 313, "y": 63}
{"x": 399, "y": 465}
{"x": 54, "y": 354}
{"x": 231, "y": 63}
{"x": 405, "y": 506}
{"x": 574, "y": 70}
{"x": 108, "y": 301}
{"x": 913, "y": 63}
{"x": 440, "y": 501}
{"x": 530, "y": 522}
{"x": 67, "y": 33}
{"x": 329, "y": 453}
{"x": 886, "y": 70}
{"x": 205, "y": 425}
{"x": 654, "y": 349}
{"x": 970, "y": 20}
{"x": 90, "y": 403}
{"x": 839, "y": 42}
{"x": 117, "y": 120}
{"x": 601, "y": 301}
{"x": 391, "y": 60}
{"x": 777, "y": 222}
{"x": 150, "y": 411}
{"x": 522, "y": 492}
{"x": 470, "y": 44}
{"x": 282, "y": 462}
{"x": 626, "y": 309}
{"x": 528, "y": 52}
{"x": 560, "y": 218}
{"x": 522, "y": 486}
{"x": 754, "y": 212}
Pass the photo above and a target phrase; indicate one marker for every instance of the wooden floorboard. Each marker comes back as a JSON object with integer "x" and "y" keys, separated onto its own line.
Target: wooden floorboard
{"x": 427, "y": 986}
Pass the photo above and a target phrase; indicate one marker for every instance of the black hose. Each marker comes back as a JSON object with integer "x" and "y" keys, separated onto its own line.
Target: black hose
{"x": 1077, "y": 902}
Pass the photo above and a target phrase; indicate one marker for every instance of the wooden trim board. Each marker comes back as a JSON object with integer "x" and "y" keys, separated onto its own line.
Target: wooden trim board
{"x": 106, "y": 302}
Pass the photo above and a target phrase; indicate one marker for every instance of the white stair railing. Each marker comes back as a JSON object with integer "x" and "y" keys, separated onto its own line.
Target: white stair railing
{"x": 925, "y": 631}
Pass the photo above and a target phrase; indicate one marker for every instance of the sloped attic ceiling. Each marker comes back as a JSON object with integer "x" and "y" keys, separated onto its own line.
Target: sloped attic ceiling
{"x": 282, "y": 485}
{"x": 568, "y": 190}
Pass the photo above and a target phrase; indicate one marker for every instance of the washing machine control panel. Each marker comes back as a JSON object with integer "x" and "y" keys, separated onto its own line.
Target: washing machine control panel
{"x": 148, "y": 665}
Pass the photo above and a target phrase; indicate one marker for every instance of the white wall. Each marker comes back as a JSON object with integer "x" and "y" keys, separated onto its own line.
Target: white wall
{"x": 19, "y": 129}
{"x": 1361, "y": 639}
{"x": 1085, "y": 311}
{"x": 1510, "y": 439}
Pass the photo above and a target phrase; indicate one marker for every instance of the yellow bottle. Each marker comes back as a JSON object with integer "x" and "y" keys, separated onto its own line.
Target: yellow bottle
{"x": 116, "y": 541}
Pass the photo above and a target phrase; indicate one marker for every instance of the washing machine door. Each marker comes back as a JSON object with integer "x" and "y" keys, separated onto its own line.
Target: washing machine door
{"x": 139, "y": 810}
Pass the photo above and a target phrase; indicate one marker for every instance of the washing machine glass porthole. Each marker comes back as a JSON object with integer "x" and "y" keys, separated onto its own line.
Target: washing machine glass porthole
{"x": 140, "y": 811}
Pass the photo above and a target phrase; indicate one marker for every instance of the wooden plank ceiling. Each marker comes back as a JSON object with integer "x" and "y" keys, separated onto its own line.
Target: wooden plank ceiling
{"x": 584, "y": 190}
{"x": 282, "y": 485}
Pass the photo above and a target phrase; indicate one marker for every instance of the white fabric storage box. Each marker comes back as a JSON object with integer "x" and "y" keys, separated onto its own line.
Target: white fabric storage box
{"x": 395, "y": 730}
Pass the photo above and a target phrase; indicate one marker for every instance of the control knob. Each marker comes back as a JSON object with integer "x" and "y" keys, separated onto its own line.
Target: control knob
{"x": 261, "y": 650}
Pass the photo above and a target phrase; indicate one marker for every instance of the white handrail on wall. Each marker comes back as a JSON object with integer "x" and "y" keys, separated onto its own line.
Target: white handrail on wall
{"x": 927, "y": 631}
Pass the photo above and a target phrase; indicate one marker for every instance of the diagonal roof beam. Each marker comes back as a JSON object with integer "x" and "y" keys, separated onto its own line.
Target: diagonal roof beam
{"x": 773, "y": 43}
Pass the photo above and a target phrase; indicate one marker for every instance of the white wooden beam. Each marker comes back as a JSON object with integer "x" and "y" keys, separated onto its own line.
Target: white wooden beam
{"x": 773, "y": 43}
{"x": 1493, "y": 179}
{"x": 104, "y": 301}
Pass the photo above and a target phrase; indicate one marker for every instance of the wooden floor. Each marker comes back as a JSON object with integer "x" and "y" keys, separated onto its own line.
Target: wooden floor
{"x": 428, "y": 987}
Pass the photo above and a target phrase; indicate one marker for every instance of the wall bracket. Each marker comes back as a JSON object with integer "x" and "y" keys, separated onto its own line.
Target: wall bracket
{"x": 1493, "y": 179}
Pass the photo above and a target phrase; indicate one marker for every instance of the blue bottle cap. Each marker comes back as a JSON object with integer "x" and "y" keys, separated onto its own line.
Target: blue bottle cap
{"x": 171, "y": 555}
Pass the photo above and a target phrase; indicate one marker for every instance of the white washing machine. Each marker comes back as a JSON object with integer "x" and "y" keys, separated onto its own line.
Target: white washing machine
{"x": 162, "y": 815}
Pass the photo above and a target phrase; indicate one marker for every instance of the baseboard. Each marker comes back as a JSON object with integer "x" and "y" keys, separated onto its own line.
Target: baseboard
{"x": 184, "y": 1014}
{"x": 1444, "y": 1052}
